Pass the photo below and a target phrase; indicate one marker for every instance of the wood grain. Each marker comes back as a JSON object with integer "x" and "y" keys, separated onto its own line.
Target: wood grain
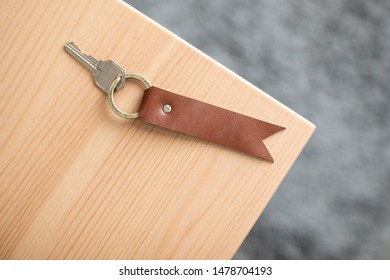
{"x": 78, "y": 182}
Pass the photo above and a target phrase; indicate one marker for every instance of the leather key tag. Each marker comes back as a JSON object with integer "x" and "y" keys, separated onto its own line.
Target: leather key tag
{"x": 211, "y": 123}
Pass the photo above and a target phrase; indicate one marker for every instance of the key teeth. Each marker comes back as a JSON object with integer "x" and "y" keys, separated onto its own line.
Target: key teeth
{"x": 72, "y": 44}
{"x": 94, "y": 60}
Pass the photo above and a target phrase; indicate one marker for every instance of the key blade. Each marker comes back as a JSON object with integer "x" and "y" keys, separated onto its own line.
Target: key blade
{"x": 86, "y": 60}
{"x": 72, "y": 45}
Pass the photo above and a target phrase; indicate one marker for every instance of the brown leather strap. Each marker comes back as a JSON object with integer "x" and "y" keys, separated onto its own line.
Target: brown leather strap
{"x": 206, "y": 121}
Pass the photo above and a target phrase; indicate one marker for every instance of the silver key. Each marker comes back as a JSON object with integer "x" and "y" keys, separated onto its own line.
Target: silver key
{"x": 104, "y": 71}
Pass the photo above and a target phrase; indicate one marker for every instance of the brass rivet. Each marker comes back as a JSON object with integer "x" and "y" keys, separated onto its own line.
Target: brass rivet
{"x": 167, "y": 108}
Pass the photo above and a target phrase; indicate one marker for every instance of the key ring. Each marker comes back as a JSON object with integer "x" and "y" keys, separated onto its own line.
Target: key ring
{"x": 111, "y": 91}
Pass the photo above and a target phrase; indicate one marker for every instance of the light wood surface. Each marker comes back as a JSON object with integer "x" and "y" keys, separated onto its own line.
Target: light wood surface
{"x": 78, "y": 182}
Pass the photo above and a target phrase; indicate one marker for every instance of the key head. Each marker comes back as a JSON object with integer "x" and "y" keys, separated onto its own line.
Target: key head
{"x": 107, "y": 72}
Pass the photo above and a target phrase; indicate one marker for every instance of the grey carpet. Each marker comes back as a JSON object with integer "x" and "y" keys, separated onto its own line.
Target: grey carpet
{"x": 330, "y": 62}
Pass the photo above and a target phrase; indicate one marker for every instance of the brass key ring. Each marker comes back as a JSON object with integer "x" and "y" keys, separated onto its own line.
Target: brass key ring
{"x": 111, "y": 91}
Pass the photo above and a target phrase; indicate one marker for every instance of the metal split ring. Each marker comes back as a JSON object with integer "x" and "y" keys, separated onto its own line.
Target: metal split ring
{"x": 111, "y": 91}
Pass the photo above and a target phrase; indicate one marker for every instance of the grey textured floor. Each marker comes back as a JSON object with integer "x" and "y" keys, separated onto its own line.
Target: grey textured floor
{"x": 330, "y": 62}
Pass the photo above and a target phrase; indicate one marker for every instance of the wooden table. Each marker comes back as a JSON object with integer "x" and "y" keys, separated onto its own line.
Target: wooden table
{"x": 78, "y": 182}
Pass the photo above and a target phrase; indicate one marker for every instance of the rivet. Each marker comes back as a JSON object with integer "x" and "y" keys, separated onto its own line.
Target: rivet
{"x": 167, "y": 108}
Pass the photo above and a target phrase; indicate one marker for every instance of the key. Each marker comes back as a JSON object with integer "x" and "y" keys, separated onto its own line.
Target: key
{"x": 103, "y": 71}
